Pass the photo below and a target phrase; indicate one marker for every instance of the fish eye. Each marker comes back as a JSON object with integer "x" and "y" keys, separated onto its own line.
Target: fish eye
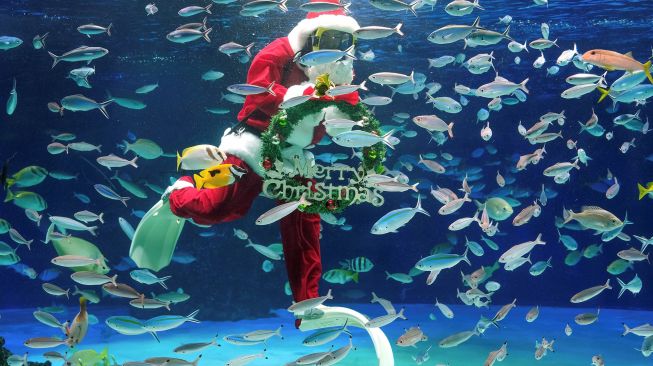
{"x": 593, "y": 53}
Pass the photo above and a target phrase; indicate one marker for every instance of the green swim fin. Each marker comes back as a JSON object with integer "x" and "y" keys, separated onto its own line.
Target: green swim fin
{"x": 156, "y": 237}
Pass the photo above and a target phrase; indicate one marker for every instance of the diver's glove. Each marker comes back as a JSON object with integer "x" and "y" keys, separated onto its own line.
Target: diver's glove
{"x": 179, "y": 184}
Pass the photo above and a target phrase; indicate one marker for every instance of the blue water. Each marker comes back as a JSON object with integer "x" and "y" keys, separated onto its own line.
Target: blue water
{"x": 226, "y": 280}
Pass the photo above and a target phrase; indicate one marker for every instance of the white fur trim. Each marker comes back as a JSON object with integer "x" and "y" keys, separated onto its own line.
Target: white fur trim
{"x": 303, "y": 30}
{"x": 245, "y": 146}
{"x": 296, "y": 90}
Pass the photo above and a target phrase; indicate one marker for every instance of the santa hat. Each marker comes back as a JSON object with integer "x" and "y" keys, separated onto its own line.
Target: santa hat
{"x": 335, "y": 19}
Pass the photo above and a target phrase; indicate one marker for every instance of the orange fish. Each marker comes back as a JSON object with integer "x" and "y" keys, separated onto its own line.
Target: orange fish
{"x": 610, "y": 60}
{"x": 77, "y": 330}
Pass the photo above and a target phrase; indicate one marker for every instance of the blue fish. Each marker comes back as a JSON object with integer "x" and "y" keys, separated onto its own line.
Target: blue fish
{"x": 125, "y": 264}
{"x": 477, "y": 153}
{"x": 138, "y": 213}
{"x": 110, "y": 194}
{"x": 182, "y": 257}
{"x": 131, "y": 136}
{"x": 49, "y": 274}
{"x": 82, "y": 197}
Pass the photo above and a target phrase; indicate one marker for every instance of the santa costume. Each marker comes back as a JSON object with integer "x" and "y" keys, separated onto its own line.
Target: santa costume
{"x": 242, "y": 144}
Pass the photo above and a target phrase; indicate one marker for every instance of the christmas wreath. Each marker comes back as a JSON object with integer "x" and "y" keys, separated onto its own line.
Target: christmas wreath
{"x": 282, "y": 125}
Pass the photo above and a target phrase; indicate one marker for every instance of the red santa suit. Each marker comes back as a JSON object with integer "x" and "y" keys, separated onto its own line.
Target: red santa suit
{"x": 299, "y": 231}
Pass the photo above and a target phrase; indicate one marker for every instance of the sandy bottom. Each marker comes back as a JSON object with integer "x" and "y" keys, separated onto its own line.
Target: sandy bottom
{"x": 603, "y": 337}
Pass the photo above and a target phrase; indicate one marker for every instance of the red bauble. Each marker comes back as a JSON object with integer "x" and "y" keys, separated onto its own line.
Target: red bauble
{"x": 331, "y": 205}
{"x": 267, "y": 164}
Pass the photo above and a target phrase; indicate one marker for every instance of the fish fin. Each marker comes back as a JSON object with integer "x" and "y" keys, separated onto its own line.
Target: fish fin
{"x": 629, "y": 54}
{"x": 606, "y": 92}
{"x": 506, "y": 34}
{"x": 208, "y": 8}
{"x": 109, "y": 29}
{"x": 386, "y": 139}
{"x": 206, "y": 33}
{"x": 354, "y": 277}
{"x": 248, "y": 49}
{"x": 398, "y": 29}
{"x": 10, "y": 195}
{"x": 55, "y": 59}
{"x": 269, "y": 89}
{"x": 642, "y": 191}
{"x": 647, "y": 71}
{"x": 413, "y": 6}
{"x": 178, "y": 160}
{"x": 476, "y": 23}
{"x": 626, "y": 329}
{"x": 522, "y": 86}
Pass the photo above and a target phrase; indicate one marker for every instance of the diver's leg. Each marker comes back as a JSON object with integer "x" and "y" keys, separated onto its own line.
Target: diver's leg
{"x": 300, "y": 234}
{"x": 212, "y": 206}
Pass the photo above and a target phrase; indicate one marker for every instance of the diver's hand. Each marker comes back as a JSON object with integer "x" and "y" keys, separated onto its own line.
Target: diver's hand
{"x": 179, "y": 184}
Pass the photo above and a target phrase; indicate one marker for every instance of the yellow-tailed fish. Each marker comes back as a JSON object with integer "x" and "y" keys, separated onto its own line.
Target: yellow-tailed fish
{"x": 218, "y": 176}
{"x": 643, "y": 191}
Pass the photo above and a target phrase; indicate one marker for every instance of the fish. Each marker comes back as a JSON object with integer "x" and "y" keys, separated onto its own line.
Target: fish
{"x": 231, "y": 48}
{"x": 113, "y": 161}
{"x": 218, "y": 176}
{"x": 384, "y": 320}
{"x": 358, "y": 139}
{"x": 9, "y": 42}
{"x": 281, "y": 211}
{"x": 12, "y": 101}
{"x": 643, "y": 191}
{"x": 587, "y": 318}
{"x": 321, "y": 57}
{"x": 79, "y": 102}
{"x": 593, "y": 217}
{"x": 146, "y": 88}
{"x": 249, "y": 89}
{"x": 107, "y": 192}
{"x": 188, "y": 35}
{"x": 200, "y": 157}
{"x": 453, "y": 33}
{"x": 92, "y": 29}
{"x": 305, "y": 306}
{"x": 396, "y": 219}
{"x": 440, "y": 261}
{"x": 77, "y": 330}
{"x": 590, "y": 293}
{"x": 457, "y": 339}
{"x": 82, "y": 53}
{"x": 377, "y": 32}
{"x": 194, "y": 10}
{"x": 610, "y": 60}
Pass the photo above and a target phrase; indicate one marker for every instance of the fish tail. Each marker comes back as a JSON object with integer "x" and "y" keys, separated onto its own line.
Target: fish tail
{"x": 401, "y": 314}
{"x": 114, "y": 279}
{"x": 199, "y": 181}
{"x": 133, "y": 162}
{"x": 419, "y": 208}
{"x": 506, "y": 34}
{"x": 270, "y": 91}
{"x": 92, "y": 230}
{"x": 604, "y": 93}
{"x": 10, "y": 195}
{"x": 522, "y": 86}
{"x": 413, "y": 6}
{"x": 282, "y": 6}
{"x": 178, "y": 160}
{"x": 103, "y": 106}
{"x": 126, "y": 148}
{"x": 109, "y": 29}
{"x": 362, "y": 85}
{"x": 55, "y": 59}
{"x": 626, "y": 329}
{"x": 162, "y": 281}
{"x": 621, "y": 292}
{"x": 354, "y": 277}
{"x": 248, "y": 49}
{"x": 398, "y": 29}
{"x": 208, "y": 8}
{"x": 607, "y": 285}
{"x": 386, "y": 139}
{"x": 465, "y": 256}
{"x": 642, "y": 191}
{"x": 647, "y": 71}
{"x": 206, "y": 33}
{"x": 29, "y": 244}
{"x": 303, "y": 200}
{"x": 450, "y": 130}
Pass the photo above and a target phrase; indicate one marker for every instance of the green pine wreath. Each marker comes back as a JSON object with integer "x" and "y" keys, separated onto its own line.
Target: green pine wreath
{"x": 284, "y": 122}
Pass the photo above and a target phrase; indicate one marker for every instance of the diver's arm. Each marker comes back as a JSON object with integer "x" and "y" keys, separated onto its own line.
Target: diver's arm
{"x": 188, "y": 202}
